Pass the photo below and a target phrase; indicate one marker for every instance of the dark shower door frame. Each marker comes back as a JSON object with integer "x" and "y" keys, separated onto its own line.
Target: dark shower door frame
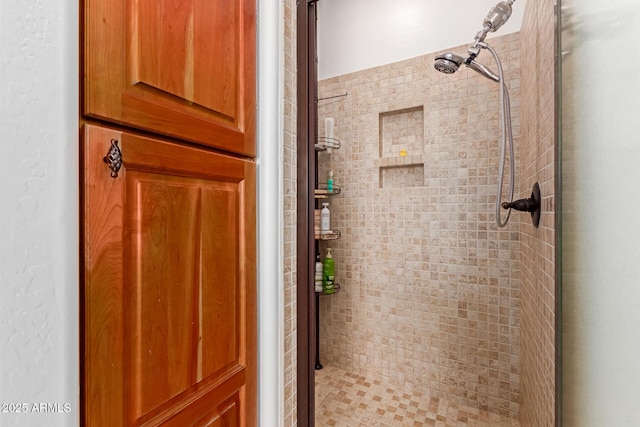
{"x": 307, "y": 125}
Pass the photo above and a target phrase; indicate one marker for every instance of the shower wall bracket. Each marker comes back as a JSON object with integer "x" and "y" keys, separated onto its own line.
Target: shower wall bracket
{"x": 532, "y": 204}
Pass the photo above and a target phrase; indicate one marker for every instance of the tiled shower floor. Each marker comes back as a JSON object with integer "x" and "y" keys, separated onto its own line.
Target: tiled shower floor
{"x": 344, "y": 399}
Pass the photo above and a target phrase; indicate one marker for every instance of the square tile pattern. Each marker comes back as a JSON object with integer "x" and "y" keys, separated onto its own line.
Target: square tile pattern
{"x": 430, "y": 286}
{"x": 537, "y": 246}
{"x": 345, "y": 399}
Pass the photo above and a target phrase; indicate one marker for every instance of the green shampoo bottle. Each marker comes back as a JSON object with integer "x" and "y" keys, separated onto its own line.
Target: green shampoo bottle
{"x": 328, "y": 274}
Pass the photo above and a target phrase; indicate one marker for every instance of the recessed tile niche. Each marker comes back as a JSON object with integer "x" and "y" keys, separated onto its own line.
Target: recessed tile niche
{"x": 401, "y": 148}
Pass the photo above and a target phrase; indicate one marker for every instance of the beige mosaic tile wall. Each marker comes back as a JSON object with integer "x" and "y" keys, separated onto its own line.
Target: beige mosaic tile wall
{"x": 289, "y": 208}
{"x": 537, "y": 407}
{"x": 430, "y": 295}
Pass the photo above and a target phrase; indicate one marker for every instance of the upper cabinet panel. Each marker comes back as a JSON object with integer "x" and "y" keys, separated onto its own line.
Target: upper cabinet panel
{"x": 182, "y": 68}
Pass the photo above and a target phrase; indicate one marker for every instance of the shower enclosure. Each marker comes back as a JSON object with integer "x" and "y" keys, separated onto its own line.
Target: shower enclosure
{"x": 430, "y": 296}
{"x": 435, "y": 296}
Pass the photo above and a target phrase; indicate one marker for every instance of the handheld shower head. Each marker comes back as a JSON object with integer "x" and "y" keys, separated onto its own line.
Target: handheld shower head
{"x": 479, "y": 68}
{"x": 448, "y": 63}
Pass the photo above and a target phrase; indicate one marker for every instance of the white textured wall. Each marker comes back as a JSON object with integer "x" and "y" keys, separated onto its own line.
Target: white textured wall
{"x": 39, "y": 209}
{"x": 601, "y": 268}
{"x": 354, "y": 35}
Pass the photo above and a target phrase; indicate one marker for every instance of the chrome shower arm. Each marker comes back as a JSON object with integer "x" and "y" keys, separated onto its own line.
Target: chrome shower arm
{"x": 474, "y": 49}
{"x": 481, "y": 35}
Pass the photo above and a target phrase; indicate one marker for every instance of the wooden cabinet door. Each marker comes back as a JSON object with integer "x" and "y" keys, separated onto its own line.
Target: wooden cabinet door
{"x": 182, "y": 68}
{"x": 169, "y": 289}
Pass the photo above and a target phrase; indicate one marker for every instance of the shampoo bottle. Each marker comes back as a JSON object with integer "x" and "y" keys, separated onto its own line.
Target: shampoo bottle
{"x": 328, "y": 274}
{"x": 325, "y": 219}
{"x": 330, "y": 182}
{"x": 318, "y": 276}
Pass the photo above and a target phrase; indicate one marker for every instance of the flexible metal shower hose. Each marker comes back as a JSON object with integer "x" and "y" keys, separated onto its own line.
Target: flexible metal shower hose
{"x": 505, "y": 133}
